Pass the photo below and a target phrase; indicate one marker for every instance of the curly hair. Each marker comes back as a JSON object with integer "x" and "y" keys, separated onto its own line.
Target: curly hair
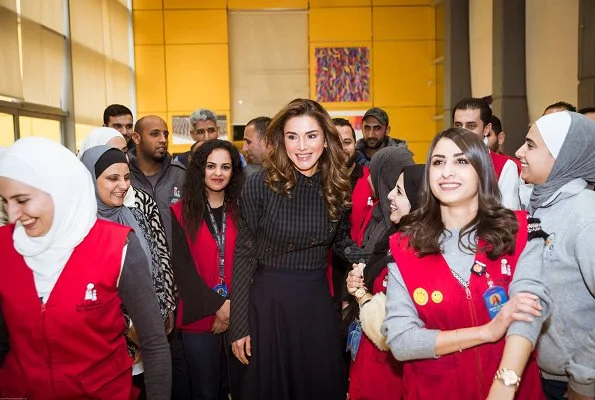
{"x": 280, "y": 172}
{"x": 194, "y": 195}
{"x": 493, "y": 223}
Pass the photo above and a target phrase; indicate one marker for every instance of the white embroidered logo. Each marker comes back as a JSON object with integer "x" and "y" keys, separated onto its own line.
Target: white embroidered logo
{"x": 91, "y": 293}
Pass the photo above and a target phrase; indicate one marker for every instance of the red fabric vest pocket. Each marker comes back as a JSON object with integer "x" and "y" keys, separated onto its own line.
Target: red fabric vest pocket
{"x": 103, "y": 380}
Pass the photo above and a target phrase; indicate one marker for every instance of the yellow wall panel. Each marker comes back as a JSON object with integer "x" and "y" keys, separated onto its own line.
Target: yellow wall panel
{"x": 190, "y": 4}
{"x": 197, "y": 76}
{"x": 150, "y": 78}
{"x": 340, "y": 24}
{"x": 403, "y": 23}
{"x": 260, "y": 4}
{"x": 401, "y": 2}
{"x": 191, "y": 27}
{"x": 404, "y": 73}
{"x": 420, "y": 151}
{"x": 147, "y": 4}
{"x": 148, "y": 27}
{"x": 340, "y": 3}
{"x": 413, "y": 124}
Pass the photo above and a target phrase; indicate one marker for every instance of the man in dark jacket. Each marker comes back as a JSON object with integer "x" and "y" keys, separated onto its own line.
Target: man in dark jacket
{"x": 375, "y": 129}
{"x": 153, "y": 170}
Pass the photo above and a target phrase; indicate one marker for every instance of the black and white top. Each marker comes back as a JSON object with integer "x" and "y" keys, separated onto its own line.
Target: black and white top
{"x": 283, "y": 233}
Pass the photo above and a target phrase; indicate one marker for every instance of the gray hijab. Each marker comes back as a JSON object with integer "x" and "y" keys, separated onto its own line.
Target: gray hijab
{"x": 385, "y": 167}
{"x": 122, "y": 215}
{"x": 575, "y": 157}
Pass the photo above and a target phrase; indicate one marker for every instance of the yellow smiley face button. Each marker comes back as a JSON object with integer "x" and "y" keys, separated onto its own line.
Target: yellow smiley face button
{"x": 437, "y": 297}
{"x": 420, "y": 296}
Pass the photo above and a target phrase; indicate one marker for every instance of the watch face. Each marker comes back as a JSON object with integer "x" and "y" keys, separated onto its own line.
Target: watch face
{"x": 509, "y": 377}
{"x": 360, "y": 293}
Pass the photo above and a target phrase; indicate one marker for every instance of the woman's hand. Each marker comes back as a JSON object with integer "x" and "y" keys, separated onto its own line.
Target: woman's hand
{"x": 221, "y": 322}
{"x": 223, "y": 312}
{"x": 520, "y": 307}
{"x": 241, "y": 349}
{"x": 355, "y": 278}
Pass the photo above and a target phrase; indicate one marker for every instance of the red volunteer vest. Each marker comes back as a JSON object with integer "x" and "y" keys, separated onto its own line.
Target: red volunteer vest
{"x": 72, "y": 347}
{"x": 375, "y": 374}
{"x": 442, "y": 303}
{"x": 500, "y": 160}
{"x": 361, "y": 211}
{"x": 205, "y": 253}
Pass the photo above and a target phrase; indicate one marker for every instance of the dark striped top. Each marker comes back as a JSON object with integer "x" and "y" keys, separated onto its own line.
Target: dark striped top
{"x": 283, "y": 233}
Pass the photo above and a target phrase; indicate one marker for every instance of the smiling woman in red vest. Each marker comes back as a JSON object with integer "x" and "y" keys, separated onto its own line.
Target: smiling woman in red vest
{"x": 461, "y": 282}
{"x": 204, "y": 239}
{"x": 65, "y": 275}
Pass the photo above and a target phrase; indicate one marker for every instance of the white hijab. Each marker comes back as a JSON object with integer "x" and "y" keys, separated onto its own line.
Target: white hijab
{"x": 51, "y": 167}
{"x": 100, "y": 137}
{"x": 97, "y": 137}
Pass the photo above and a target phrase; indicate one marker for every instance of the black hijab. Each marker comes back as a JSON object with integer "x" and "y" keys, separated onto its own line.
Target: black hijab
{"x": 412, "y": 179}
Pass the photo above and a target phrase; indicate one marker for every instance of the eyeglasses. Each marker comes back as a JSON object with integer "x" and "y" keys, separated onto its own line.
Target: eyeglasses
{"x": 209, "y": 130}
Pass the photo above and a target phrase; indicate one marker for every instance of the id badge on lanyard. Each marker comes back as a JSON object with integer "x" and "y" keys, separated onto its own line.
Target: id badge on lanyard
{"x": 221, "y": 287}
{"x": 495, "y": 296}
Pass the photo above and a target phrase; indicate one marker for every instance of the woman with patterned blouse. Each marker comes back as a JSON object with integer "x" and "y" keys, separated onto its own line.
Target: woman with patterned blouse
{"x": 109, "y": 168}
{"x": 283, "y": 324}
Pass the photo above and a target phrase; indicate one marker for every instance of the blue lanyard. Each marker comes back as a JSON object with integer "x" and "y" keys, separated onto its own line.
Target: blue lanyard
{"x": 219, "y": 237}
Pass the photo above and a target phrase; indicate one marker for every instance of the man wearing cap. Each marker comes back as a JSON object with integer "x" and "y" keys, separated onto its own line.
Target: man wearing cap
{"x": 375, "y": 129}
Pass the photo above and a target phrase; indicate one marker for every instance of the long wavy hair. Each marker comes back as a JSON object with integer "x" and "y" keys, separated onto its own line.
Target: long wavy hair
{"x": 280, "y": 173}
{"x": 493, "y": 223}
{"x": 194, "y": 195}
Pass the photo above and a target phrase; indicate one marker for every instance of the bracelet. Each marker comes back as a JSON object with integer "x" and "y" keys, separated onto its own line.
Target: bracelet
{"x": 364, "y": 303}
{"x": 458, "y": 342}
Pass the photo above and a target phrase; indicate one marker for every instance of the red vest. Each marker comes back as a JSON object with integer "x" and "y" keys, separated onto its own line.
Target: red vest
{"x": 72, "y": 347}
{"x": 375, "y": 374}
{"x": 361, "y": 211}
{"x": 500, "y": 160}
{"x": 445, "y": 306}
{"x": 205, "y": 253}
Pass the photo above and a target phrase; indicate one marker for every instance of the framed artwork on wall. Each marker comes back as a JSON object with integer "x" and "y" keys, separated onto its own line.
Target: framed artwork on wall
{"x": 342, "y": 74}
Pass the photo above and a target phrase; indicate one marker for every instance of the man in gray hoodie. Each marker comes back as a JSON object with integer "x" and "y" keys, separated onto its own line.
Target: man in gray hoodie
{"x": 153, "y": 169}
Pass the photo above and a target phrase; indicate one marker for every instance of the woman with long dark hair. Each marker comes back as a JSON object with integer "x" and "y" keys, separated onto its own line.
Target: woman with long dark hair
{"x": 462, "y": 280}
{"x": 204, "y": 238}
{"x": 283, "y": 322}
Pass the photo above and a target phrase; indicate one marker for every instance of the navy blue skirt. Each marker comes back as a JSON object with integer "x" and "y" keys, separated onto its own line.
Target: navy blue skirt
{"x": 295, "y": 338}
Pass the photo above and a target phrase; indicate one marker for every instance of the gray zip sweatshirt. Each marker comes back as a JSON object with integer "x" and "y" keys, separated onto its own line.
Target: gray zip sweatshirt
{"x": 566, "y": 348}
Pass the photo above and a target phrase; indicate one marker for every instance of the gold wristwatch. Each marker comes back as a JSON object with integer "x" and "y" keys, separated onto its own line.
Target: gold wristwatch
{"x": 508, "y": 377}
{"x": 359, "y": 293}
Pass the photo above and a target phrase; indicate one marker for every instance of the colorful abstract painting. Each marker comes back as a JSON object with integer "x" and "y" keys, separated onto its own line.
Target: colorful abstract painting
{"x": 342, "y": 74}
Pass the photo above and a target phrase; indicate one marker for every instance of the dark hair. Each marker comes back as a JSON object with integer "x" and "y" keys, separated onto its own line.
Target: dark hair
{"x": 344, "y": 122}
{"x": 280, "y": 173}
{"x": 260, "y": 125}
{"x": 561, "y": 104}
{"x": 496, "y": 124}
{"x": 493, "y": 223}
{"x": 586, "y": 110}
{"x": 115, "y": 110}
{"x": 473, "y": 103}
{"x": 194, "y": 195}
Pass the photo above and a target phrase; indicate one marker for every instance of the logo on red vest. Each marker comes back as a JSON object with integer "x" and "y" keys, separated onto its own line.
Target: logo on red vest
{"x": 90, "y": 301}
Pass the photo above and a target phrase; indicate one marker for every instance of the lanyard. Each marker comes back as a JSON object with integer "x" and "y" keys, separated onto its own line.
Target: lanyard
{"x": 219, "y": 237}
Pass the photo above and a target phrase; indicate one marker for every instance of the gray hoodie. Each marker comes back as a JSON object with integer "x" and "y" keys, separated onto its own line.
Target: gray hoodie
{"x": 167, "y": 189}
{"x": 566, "y": 348}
